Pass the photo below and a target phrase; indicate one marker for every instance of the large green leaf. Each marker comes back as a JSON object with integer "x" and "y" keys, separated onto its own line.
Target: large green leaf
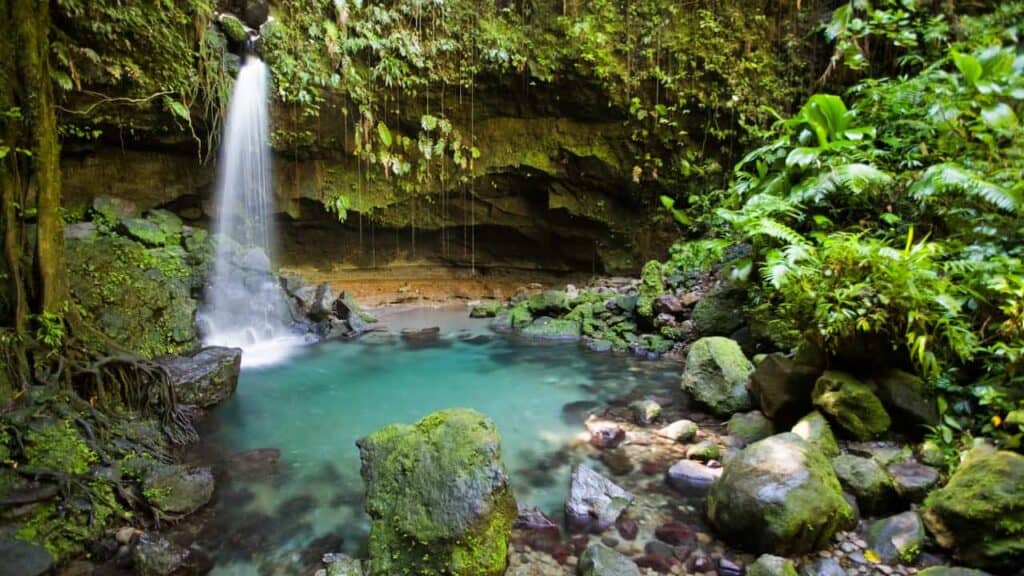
{"x": 968, "y": 66}
{"x": 999, "y": 118}
{"x": 385, "y": 134}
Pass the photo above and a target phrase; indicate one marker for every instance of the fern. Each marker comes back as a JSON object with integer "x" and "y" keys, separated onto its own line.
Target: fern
{"x": 943, "y": 179}
{"x": 856, "y": 178}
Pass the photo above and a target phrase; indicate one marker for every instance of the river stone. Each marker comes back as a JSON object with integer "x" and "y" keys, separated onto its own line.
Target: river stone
{"x": 851, "y": 404}
{"x": 778, "y": 495}
{"x": 867, "y": 481}
{"x": 177, "y": 490}
{"x": 768, "y": 565}
{"x": 645, "y": 411}
{"x": 897, "y": 538}
{"x": 782, "y": 387}
{"x": 207, "y": 377}
{"x": 750, "y": 426}
{"x": 716, "y": 375}
{"x": 546, "y": 328}
{"x": 908, "y": 398}
{"x": 600, "y": 560}
{"x": 913, "y": 481}
{"x": 595, "y": 502}
{"x": 814, "y": 428}
{"x": 691, "y": 478}
{"x": 679, "y": 431}
{"x": 822, "y": 567}
{"x": 438, "y": 496}
{"x": 980, "y": 512}
{"x": 23, "y": 559}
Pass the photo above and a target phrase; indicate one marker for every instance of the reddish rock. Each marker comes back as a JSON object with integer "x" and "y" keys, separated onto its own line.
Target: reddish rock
{"x": 650, "y": 468}
{"x": 627, "y": 528}
{"x": 605, "y": 434}
{"x": 560, "y": 553}
{"x": 674, "y": 533}
{"x": 659, "y": 564}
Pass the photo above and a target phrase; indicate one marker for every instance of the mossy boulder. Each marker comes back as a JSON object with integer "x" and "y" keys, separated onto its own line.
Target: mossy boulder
{"x": 869, "y": 483}
{"x": 439, "y": 497}
{"x": 652, "y": 285}
{"x": 778, "y": 496}
{"x": 851, "y": 404}
{"x": 720, "y": 312}
{"x": 546, "y": 328}
{"x": 485, "y": 310}
{"x": 233, "y": 28}
{"x": 208, "y": 377}
{"x": 519, "y": 316}
{"x": 980, "y": 512}
{"x": 716, "y": 375}
{"x": 814, "y": 428}
{"x": 548, "y": 302}
{"x": 176, "y": 490}
{"x": 750, "y": 426}
{"x": 769, "y": 565}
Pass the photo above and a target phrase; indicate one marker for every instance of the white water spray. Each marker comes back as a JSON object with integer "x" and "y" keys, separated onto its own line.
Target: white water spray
{"x": 245, "y": 306}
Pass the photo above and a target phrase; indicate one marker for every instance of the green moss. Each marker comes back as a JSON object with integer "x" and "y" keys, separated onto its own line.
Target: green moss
{"x": 652, "y": 285}
{"x": 520, "y": 316}
{"x": 57, "y": 446}
{"x": 851, "y": 404}
{"x": 65, "y": 530}
{"x": 233, "y": 28}
{"x": 716, "y": 375}
{"x": 485, "y": 310}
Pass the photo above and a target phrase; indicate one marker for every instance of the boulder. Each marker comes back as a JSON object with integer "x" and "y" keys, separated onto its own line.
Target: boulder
{"x": 897, "y": 538}
{"x": 980, "y": 512}
{"x": 691, "y": 478}
{"x": 24, "y": 559}
{"x": 913, "y": 481}
{"x": 778, "y": 495}
{"x": 207, "y": 377}
{"x": 595, "y": 502}
{"x": 851, "y": 404}
{"x": 782, "y": 387}
{"x": 546, "y": 328}
{"x": 438, "y": 496}
{"x": 177, "y": 490}
{"x": 716, "y": 375}
{"x": 600, "y": 560}
{"x": 867, "y": 481}
{"x": 704, "y": 450}
{"x": 485, "y": 310}
{"x": 548, "y": 302}
{"x": 111, "y": 208}
{"x": 652, "y": 285}
{"x": 720, "y": 312}
{"x": 315, "y": 301}
{"x": 233, "y": 28}
{"x": 768, "y": 565}
{"x": 750, "y": 426}
{"x": 814, "y": 429}
{"x": 908, "y": 398}
{"x": 679, "y": 431}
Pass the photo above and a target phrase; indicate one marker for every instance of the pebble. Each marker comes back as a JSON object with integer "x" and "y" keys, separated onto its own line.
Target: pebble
{"x": 858, "y": 558}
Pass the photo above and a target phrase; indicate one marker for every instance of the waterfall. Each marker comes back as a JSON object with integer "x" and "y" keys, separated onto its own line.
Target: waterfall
{"x": 245, "y": 305}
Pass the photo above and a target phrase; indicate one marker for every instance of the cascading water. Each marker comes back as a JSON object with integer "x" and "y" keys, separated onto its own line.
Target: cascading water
{"x": 245, "y": 306}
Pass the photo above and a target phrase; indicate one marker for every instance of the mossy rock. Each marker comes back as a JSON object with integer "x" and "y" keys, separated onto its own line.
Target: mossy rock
{"x": 520, "y": 316}
{"x": 176, "y": 490}
{"x": 439, "y": 497}
{"x": 897, "y": 538}
{"x": 485, "y": 310}
{"x": 546, "y": 328}
{"x": 548, "y": 302}
{"x": 58, "y": 446}
{"x": 909, "y": 398}
{"x": 716, "y": 375}
{"x": 814, "y": 428}
{"x": 750, "y": 426}
{"x": 778, "y": 496}
{"x": 867, "y": 481}
{"x": 145, "y": 231}
{"x": 980, "y": 512}
{"x": 768, "y": 565}
{"x": 168, "y": 222}
{"x": 851, "y": 404}
{"x": 233, "y": 28}
{"x": 652, "y": 285}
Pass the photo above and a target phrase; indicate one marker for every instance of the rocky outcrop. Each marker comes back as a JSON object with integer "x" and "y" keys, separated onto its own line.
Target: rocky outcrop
{"x": 438, "y": 495}
{"x": 780, "y": 496}
{"x": 980, "y": 513}
{"x": 207, "y": 377}
{"x": 851, "y": 404}
{"x": 716, "y": 375}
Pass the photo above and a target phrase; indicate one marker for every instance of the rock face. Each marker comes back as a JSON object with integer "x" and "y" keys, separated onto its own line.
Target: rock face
{"x": 898, "y": 538}
{"x": 851, "y": 404}
{"x": 600, "y": 560}
{"x": 207, "y": 377}
{"x": 867, "y": 481}
{"x": 980, "y": 512}
{"x": 815, "y": 429}
{"x": 438, "y": 495}
{"x": 595, "y": 502}
{"x": 716, "y": 375}
{"x": 780, "y": 496}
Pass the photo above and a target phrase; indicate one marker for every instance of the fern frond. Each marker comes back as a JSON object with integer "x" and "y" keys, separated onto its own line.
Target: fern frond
{"x": 856, "y": 178}
{"x": 948, "y": 177}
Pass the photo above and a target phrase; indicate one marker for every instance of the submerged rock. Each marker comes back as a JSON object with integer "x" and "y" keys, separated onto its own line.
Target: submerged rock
{"x": 716, "y": 375}
{"x": 595, "y": 502}
{"x": 680, "y": 431}
{"x": 438, "y": 496}
{"x": 778, "y": 495}
{"x": 600, "y": 560}
{"x": 980, "y": 512}
{"x": 645, "y": 411}
{"x": 155, "y": 555}
{"x": 207, "y": 377}
{"x": 851, "y": 404}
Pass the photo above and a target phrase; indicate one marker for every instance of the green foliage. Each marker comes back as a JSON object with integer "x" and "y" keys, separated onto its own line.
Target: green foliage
{"x": 58, "y": 447}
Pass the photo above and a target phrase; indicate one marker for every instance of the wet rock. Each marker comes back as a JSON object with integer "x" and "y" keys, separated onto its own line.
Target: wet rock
{"x": 851, "y": 404}
{"x": 175, "y": 489}
{"x": 536, "y": 530}
{"x": 208, "y": 377}
{"x": 680, "y": 431}
{"x": 546, "y": 328}
{"x": 605, "y": 434}
{"x": 822, "y": 567}
{"x": 315, "y": 302}
{"x": 778, "y": 495}
{"x": 867, "y": 481}
{"x": 553, "y": 302}
{"x": 750, "y": 426}
{"x": 980, "y": 511}
{"x": 909, "y": 399}
{"x": 600, "y": 560}
{"x": 485, "y": 310}
{"x": 897, "y": 538}
{"x": 437, "y": 491}
{"x": 716, "y": 375}
{"x": 422, "y": 338}
{"x": 645, "y": 411}
{"x": 768, "y": 565}
{"x": 158, "y": 556}
{"x": 23, "y": 559}
{"x": 814, "y": 429}
{"x": 627, "y": 528}
{"x": 617, "y": 461}
{"x": 913, "y": 481}
{"x": 660, "y": 564}
{"x": 727, "y": 567}
{"x": 692, "y": 478}
{"x": 782, "y": 387}
{"x": 674, "y": 533}
{"x": 704, "y": 451}
{"x": 595, "y": 502}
